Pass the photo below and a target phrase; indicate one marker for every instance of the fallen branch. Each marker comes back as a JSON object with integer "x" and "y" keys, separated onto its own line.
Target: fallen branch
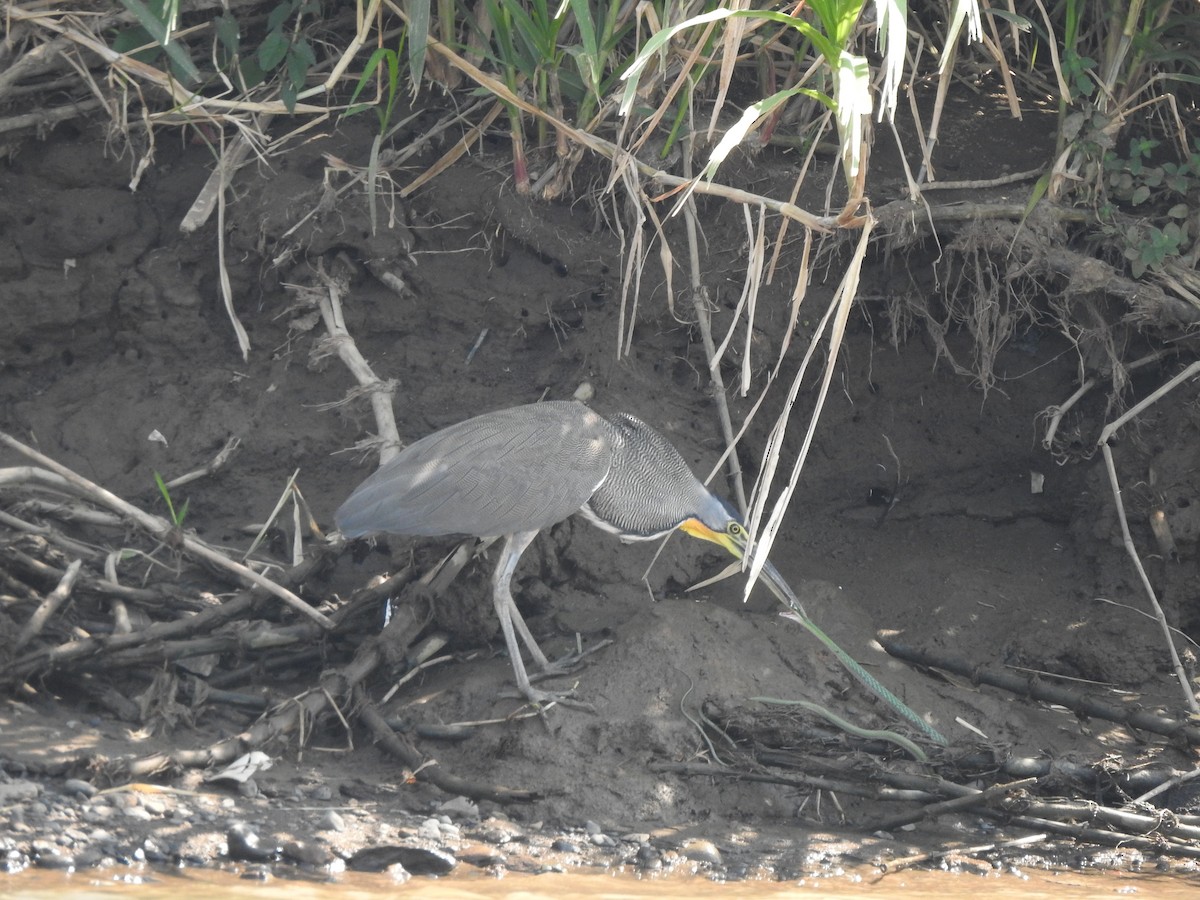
{"x": 290, "y": 717}
{"x": 1038, "y": 689}
{"x": 159, "y": 528}
{"x": 430, "y": 770}
{"x": 49, "y": 605}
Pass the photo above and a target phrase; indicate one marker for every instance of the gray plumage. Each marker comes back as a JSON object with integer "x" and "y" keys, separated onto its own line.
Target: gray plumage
{"x": 529, "y": 467}
{"x": 512, "y": 472}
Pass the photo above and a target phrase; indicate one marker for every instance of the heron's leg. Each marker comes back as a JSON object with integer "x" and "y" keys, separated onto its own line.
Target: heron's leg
{"x": 511, "y": 621}
{"x": 527, "y": 638}
{"x": 502, "y": 580}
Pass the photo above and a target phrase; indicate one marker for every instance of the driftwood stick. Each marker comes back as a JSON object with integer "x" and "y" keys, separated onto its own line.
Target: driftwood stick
{"x": 1131, "y": 548}
{"x": 404, "y": 627}
{"x": 957, "y": 804}
{"x": 242, "y": 637}
{"x": 49, "y": 606}
{"x": 812, "y": 782}
{"x": 1163, "y": 822}
{"x": 1152, "y": 844}
{"x": 426, "y": 769}
{"x": 214, "y": 465}
{"x": 161, "y": 529}
{"x": 1082, "y": 704}
{"x": 329, "y": 302}
{"x": 73, "y": 651}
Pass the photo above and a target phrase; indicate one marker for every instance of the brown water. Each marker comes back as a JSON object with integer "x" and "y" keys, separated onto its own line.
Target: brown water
{"x": 36, "y": 885}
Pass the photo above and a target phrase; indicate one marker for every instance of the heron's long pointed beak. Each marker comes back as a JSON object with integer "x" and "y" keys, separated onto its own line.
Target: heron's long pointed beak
{"x": 769, "y": 575}
{"x": 772, "y": 579}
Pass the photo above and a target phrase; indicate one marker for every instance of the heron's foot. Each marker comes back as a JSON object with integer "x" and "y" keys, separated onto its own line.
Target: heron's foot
{"x": 565, "y": 665}
{"x": 542, "y": 699}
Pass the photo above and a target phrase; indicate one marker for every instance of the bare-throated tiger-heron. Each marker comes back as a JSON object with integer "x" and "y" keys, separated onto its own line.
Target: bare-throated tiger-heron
{"x": 512, "y": 472}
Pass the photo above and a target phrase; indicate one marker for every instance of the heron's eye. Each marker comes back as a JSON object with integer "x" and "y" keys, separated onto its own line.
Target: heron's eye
{"x": 736, "y": 530}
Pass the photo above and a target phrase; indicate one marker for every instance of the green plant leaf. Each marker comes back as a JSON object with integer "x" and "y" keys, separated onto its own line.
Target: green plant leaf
{"x": 277, "y": 16}
{"x": 418, "y": 40}
{"x": 156, "y": 27}
{"x": 1140, "y": 195}
{"x": 1178, "y": 211}
{"x": 272, "y": 50}
{"x": 129, "y": 39}
{"x": 299, "y": 60}
{"x": 228, "y": 32}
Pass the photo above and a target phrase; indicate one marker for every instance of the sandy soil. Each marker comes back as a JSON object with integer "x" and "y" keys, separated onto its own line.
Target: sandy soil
{"x": 111, "y": 328}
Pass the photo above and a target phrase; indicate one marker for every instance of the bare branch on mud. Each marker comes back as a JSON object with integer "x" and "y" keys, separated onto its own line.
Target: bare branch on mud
{"x": 159, "y": 527}
{"x": 49, "y": 605}
{"x": 216, "y": 464}
{"x": 329, "y": 301}
{"x": 291, "y": 716}
{"x": 1103, "y": 442}
{"x": 957, "y": 804}
{"x": 428, "y": 769}
{"x": 1037, "y": 689}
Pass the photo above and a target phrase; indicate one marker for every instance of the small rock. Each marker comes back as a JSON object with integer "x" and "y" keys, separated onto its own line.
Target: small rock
{"x": 702, "y": 851}
{"x": 416, "y": 860}
{"x": 245, "y": 844}
{"x": 14, "y": 861}
{"x": 591, "y": 827}
{"x": 429, "y": 830}
{"x": 307, "y": 854}
{"x": 603, "y": 840}
{"x": 91, "y": 858}
{"x": 562, "y": 845}
{"x": 461, "y": 806}
{"x": 154, "y": 851}
{"x": 54, "y": 859}
{"x": 331, "y": 821}
{"x": 18, "y": 791}
{"x": 322, "y": 792}
{"x": 648, "y": 857}
{"x": 154, "y": 806}
{"x": 138, "y": 814}
{"x": 77, "y": 786}
{"x": 398, "y": 873}
{"x": 258, "y": 873}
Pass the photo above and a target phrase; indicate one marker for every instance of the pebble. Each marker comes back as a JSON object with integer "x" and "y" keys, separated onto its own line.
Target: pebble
{"x": 461, "y": 806}
{"x": 430, "y": 830}
{"x": 153, "y": 850}
{"x": 322, "y": 792}
{"x": 307, "y": 854}
{"x": 138, "y": 814}
{"x": 702, "y": 851}
{"x": 331, "y": 821}
{"x": 648, "y": 857}
{"x": 603, "y": 840}
{"x": 415, "y": 860}
{"x": 77, "y": 786}
{"x": 245, "y": 844}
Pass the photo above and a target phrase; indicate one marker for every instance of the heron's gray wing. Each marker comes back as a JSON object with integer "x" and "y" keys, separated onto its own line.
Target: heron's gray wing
{"x": 517, "y": 469}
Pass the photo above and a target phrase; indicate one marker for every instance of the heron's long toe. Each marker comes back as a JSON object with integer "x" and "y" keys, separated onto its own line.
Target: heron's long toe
{"x": 567, "y": 664}
{"x": 563, "y": 698}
